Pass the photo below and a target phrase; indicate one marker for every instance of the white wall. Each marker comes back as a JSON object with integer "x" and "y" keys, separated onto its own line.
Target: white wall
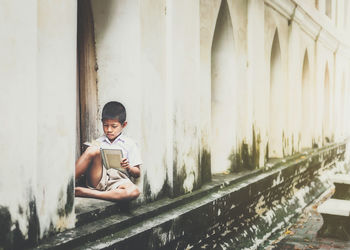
{"x": 18, "y": 105}
{"x": 163, "y": 61}
{"x": 256, "y": 75}
{"x": 184, "y": 70}
{"x": 131, "y": 56}
{"x": 38, "y": 93}
{"x": 276, "y": 70}
{"x": 224, "y": 86}
{"x": 171, "y": 63}
{"x": 56, "y": 124}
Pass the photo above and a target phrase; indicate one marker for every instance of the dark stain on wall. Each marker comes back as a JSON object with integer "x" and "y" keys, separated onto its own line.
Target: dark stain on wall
{"x": 5, "y": 228}
{"x": 246, "y": 157}
{"x": 179, "y": 179}
{"x": 267, "y": 152}
{"x": 66, "y": 206}
{"x": 70, "y": 196}
{"x": 164, "y": 192}
{"x": 285, "y": 144}
{"x": 20, "y": 209}
{"x": 240, "y": 159}
{"x": 34, "y": 226}
{"x": 205, "y": 166}
{"x": 11, "y": 236}
{"x": 256, "y": 148}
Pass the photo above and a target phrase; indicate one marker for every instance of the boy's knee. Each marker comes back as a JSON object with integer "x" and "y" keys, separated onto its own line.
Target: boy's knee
{"x": 134, "y": 193}
{"x": 93, "y": 151}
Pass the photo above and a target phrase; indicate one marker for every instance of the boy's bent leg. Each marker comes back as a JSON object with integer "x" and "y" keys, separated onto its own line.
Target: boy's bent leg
{"x": 127, "y": 191}
{"x": 90, "y": 162}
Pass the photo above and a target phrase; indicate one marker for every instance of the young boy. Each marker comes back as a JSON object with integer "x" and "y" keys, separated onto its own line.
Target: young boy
{"x": 110, "y": 184}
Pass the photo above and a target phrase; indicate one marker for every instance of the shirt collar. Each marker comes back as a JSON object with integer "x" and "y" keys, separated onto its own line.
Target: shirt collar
{"x": 120, "y": 137}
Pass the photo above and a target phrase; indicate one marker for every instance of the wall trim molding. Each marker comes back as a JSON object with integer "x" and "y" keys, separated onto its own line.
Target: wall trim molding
{"x": 284, "y": 7}
{"x": 306, "y": 23}
{"x": 328, "y": 40}
{"x": 314, "y": 23}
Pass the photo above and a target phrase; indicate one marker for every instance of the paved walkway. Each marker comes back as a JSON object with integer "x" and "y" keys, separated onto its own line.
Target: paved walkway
{"x": 303, "y": 234}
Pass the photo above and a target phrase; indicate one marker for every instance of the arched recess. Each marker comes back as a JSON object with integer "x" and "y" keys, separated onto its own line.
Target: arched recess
{"x": 329, "y": 8}
{"x": 276, "y": 101}
{"x": 342, "y": 114}
{"x": 307, "y": 99}
{"x": 223, "y": 108}
{"x": 326, "y": 107}
{"x": 346, "y": 116}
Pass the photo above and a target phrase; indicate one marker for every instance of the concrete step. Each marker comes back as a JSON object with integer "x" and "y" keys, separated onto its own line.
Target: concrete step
{"x": 336, "y": 219}
{"x": 341, "y": 179}
{"x": 97, "y": 219}
{"x": 238, "y": 210}
{"x": 342, "y": 186}
{"x": 102, "y": 221}
{"x": 335, "y": 207}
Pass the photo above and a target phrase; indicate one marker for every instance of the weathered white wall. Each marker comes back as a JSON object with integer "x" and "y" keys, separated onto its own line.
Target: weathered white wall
{"x": 308, "y": 91}
{"x": 256, "y": 76}
{"x": 276, "y": 62}
{"x": 56, "y": 124}
{"x": 223, "y": 68}
{"x": 131, "y": 55}
{"x": 205, "y": 85}
{"x": 156, "y": 138}
{"x": 37, "y": 100}
{"x": 224, "y": 86}
{"x": 195, "y": 81}
{"x": 118, "y": 59}
{"x": 184, "y": 69}
{"x": 209, "y": 10}
{"x": 18, "y": 105}
{"x": 143, "y": 64}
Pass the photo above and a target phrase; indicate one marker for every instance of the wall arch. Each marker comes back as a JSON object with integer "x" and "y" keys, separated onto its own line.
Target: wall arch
{"x": 326, "y": 106}
{"x": 223, "y": 96}
{"x": 307, "y": 99}
{"x": 329, "y": 8}
{"x": 342, "y": 113}
{"x": 276, "y": 101}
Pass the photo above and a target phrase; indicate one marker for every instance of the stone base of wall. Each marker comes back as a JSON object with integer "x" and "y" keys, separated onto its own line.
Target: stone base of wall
{"x": 236, "y": 210}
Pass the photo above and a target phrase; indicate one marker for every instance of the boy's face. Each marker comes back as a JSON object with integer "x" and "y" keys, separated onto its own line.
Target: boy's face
{"x": 112, "y": 128}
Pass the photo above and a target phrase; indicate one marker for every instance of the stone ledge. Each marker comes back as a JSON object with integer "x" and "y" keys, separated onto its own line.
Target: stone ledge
{"x": 88, "y": 210}
{"x": 237, "y": 209}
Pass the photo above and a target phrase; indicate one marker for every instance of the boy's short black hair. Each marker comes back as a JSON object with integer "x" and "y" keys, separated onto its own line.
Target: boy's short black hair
{"x": 114, "y": 110}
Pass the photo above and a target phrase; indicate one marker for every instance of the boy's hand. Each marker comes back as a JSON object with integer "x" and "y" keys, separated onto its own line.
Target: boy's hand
{"x": 125, "y": 163}
{"x": 133, "y": 171}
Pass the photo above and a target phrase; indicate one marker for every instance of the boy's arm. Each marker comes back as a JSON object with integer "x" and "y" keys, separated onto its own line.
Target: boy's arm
{"x": 133, "y": 171}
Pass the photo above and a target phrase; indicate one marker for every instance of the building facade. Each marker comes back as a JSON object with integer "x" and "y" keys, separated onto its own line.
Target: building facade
{"x": 210, "y": 86}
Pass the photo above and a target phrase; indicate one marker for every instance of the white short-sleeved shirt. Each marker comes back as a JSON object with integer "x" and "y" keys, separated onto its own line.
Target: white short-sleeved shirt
{"x": 126, "y": 144}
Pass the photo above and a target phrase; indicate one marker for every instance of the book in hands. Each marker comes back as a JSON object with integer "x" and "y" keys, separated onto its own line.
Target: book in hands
{"x": 112, "y": 158}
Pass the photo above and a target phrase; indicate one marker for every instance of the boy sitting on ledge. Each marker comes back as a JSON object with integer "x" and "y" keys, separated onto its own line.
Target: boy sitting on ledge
{"x": 110, "y": 184}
